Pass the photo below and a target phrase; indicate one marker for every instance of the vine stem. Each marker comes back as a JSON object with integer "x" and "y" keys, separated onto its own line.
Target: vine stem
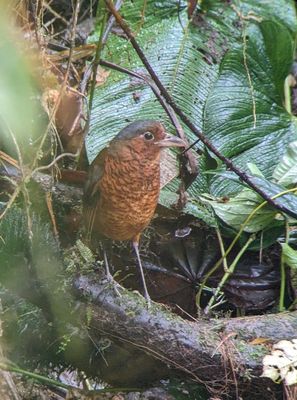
{"x": 228, "y": 273}
{"x": 53, "y": 382}
{"x": 243, "y": 176}
{"x": 281, "y": 306}
{"x": 234, "y": 241}
{"x": 222, "y": 249}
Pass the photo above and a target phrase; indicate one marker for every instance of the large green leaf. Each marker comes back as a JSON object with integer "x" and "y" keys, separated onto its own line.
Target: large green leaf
{"x": 202, "y": 66}
{"x": 235, "y": 211}
{"x": 287, "y": 201}
{"x": 244, "y": 115}
{"x": 185, "y": 56}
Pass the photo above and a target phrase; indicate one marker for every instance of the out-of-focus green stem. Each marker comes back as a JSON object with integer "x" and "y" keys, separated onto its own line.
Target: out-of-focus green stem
{"x": 281, "y": 306}
{"x": 287, "y": 90}
{"x": 229, "y": 272}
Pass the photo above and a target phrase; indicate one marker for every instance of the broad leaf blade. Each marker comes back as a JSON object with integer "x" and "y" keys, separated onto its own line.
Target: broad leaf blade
{"x": 287, "y": 201}
{"x": 285, "y": 172}
{"x": 244, "y": 115}
{"x": 235, "y": 211}
{"x": 214, "y": 94}
{"x": 290, "y": 255}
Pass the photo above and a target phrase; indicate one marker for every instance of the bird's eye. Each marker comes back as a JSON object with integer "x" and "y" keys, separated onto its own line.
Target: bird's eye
{"x": 148, "y": 136}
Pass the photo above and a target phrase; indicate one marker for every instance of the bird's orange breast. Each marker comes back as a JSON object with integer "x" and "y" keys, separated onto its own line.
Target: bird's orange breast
{"x": 129, "y": 191}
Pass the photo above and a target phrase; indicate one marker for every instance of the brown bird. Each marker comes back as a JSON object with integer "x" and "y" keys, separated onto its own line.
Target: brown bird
{"x": 123, "y": 184}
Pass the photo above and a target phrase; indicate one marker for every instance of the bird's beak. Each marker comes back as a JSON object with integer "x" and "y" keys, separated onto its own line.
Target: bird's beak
{"x": 171, "y": 141}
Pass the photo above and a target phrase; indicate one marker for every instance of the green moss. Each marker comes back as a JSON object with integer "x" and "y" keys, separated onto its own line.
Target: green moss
{"x": 254, "y": 352}
{"x": 79, "y": 258}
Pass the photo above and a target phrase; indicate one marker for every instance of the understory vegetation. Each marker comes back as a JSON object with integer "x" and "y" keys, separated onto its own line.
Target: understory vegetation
{"x": 220, "y": 255}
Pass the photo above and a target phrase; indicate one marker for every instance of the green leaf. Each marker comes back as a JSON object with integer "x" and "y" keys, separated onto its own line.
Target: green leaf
{"x": 285, "y": 172}
{"x": 19, "y": 103}
{"x": 288, "y": 201}
{"x": 254, "y": 170}
{"x": 244, "y": 114}
{"x": 283, "y": 12}
{"x": 265, "y": 238}
{"x": 279, "y": 52}
{"x": 290, "y": 255}
{"x": 193, "y": 207}
{"x": 235, "y": 211}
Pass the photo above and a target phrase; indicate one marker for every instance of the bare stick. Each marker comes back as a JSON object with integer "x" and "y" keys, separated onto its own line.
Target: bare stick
{"x": 59, "y": 157}
{"x": 111, "y": 21}
{"x": 99, "y": 48}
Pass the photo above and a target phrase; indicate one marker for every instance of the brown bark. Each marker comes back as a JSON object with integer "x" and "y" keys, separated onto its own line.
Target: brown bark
{"x": 219, "y": 353}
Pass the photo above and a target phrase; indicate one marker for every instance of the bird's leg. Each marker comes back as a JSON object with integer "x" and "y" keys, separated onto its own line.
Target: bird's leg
{"x": 106, "y": 264}
{"x": 107, "y": 248}
{"x": 136, "y": 249}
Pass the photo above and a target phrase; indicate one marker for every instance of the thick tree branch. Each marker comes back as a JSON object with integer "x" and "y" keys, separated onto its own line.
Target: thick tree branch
{"x": 215, "y": 352}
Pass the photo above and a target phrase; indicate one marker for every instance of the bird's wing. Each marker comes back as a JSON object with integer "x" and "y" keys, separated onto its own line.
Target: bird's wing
{"x": 95, "y": 172}
{"x": 92, "y": 192}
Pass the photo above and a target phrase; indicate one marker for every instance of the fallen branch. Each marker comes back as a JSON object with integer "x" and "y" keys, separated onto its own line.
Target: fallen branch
{"x": 219, "y": 353}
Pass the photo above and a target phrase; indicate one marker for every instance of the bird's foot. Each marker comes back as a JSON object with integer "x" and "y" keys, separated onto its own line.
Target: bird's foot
{"x": 148, "y": 302}
{"x": 147, "y": 299}
{"x": 115, "y": 285}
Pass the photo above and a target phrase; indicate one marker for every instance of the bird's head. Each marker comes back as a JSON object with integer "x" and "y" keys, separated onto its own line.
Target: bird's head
{"x": 147, "y": 136}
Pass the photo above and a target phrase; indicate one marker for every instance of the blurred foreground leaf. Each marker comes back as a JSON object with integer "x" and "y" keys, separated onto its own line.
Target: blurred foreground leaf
{"x": 20, "y": 109}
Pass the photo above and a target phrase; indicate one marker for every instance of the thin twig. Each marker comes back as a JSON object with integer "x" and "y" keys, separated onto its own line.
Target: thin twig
{"x": 11, "y": 200}
{"x": 23, "y": 186}
{"x": 64, "y": 83}
{"x": 261, "y": 248}
{"x": 59, "y": 157}
{"x": 71, "y": 42}
{"x": 96, "y": 61}
{"x": 53, "y": 382}
{"x": 108, "y": 27}
{"x": 56, "y": 15}
{"x": 243, "y": 176}
{"x": 111, "y": 22}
